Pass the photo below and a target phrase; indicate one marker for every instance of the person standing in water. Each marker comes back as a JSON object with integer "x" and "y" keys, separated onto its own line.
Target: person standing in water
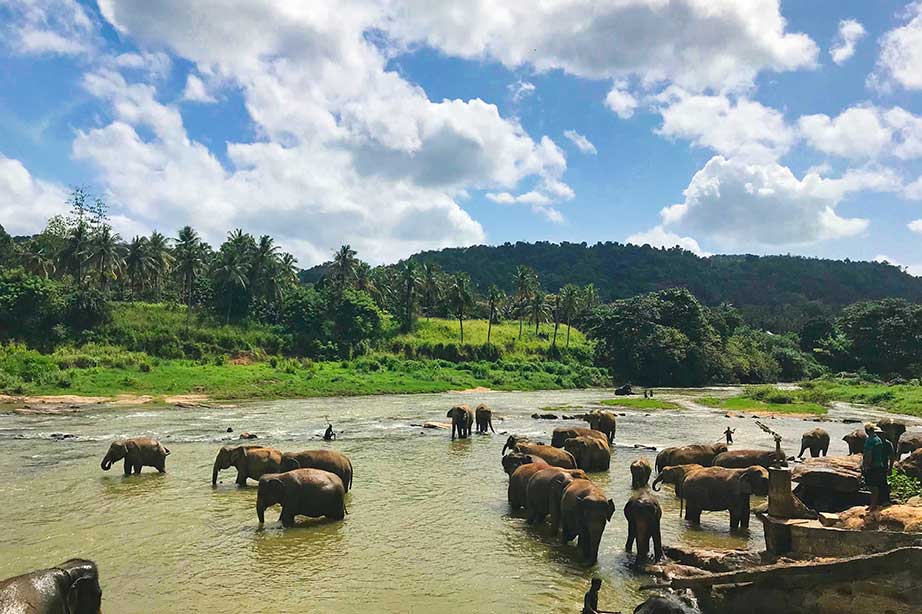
{"x": 329, "y": 435}
{"x": 729, "y": 435}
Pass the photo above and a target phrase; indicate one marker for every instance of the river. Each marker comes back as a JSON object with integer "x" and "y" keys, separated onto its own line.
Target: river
{"x": 428, "y": 528}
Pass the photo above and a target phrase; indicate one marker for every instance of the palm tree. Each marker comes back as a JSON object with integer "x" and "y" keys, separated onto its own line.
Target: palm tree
{"x": 538, "y": 307}
{"x": 73, "y": 254}
{"x": 569, "y": 302}
{"x": 288, "y": 269}
{"x": 460, "y": 298}
{"x": 343, "y": 268}
{"x": 189, "y": 259}
{"x": 495, "y": 298}
{"x": 409, "y": 284}
{"x": 158, "y": 248}
{"x": 555, "y": 310}
{"x": 589, "y": 299}
{"x": 138, "y": 264}
{"x": 522, "y": 282}
{"x": 230, "y": 273}
{"x": 106, "y": 254}
{"x": 431, "y": 288}
{"x": 264, "y": 273}
{"x": 37, "y": 259}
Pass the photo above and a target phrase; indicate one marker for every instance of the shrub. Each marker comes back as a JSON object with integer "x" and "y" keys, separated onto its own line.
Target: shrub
{"x": 902, "y": 486}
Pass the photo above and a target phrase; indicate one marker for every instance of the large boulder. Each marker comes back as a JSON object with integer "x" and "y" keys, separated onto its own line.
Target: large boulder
{"x": 830, "y": 483}
{"x": 912, "y": 464}
{"x": 910, "y": 441}
{"x": 907, "y": 518}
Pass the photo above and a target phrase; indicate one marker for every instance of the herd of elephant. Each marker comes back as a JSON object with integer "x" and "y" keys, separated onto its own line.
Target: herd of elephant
{"x": 311, "y": 483}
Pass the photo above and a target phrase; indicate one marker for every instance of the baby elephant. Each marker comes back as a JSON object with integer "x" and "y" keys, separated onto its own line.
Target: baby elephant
{"x": 137, "y": 452}
{"x": 301, "y": 492}
{"x": 72, "y": 586}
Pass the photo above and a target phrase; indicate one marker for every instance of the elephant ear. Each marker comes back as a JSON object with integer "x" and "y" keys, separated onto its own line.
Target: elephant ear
{"x": 451, "y": 413}
{"x": 84, "y": 596}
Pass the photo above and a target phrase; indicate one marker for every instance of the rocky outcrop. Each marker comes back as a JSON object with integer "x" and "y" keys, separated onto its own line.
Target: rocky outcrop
{"x": 912, "y": 464}
{"x": 830, "y": 483}
{"x": 907, "y": 518}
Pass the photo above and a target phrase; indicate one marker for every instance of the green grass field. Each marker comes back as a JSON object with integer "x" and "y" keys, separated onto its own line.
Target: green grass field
{"x": 743, "y": 404}
{"x": 641, "y": 403}
{"x": 902, "y": 399}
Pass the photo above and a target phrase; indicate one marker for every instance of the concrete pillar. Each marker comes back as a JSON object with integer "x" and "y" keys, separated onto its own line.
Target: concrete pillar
{"x": 780, "y": 500}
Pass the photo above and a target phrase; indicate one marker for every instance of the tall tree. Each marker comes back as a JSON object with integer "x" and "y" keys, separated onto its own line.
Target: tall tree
{"x": 37, "y": 259}
{"x": 162, "y": 259}
{"x": 138, "y": 265}
{"x": 461, "y": 298}
{"x": 495, "y": 298}
{"x": 264, "y": 276}
{"x": 343, "y": 269}
{"x": 409, "y": 284}
{"x": 431, "y": 287}
{"x": 522, "y": 282}
{"x": 538, "y": 307}
{"x": 554, "y": 301}
{"x": 73, "y": 254}
{"x": 106, "y": 255}
{"x": 189, "y": 262}
{"x": 230, "y": 274}
{"x": 569, "y": 303}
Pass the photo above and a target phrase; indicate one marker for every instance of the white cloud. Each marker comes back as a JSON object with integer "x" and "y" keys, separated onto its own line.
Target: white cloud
{"x": 900, "y": 60}
{"x": 913, "y": 269}
{"x": 658, "y": 237}
{"x": 850, "y": 32}
{"x": 157, "y": 64}
{"x": 621, "y": 101}
{"x": 913, "y": 191}
{"x": 741, "y": 205}
{"x": 521, "y": 89}
{"x": 582, "y": 143}
{"x": 53, "y": 27}
{"x": 855, "y": 133}
{"x": 739, "y": 129}
{"x": 196, "y": 91}
{"x": 915, "y": 226}
{"x": 26, "y": 202}
{"x": 350, "y": 151}
{"x": 719, "y": 44}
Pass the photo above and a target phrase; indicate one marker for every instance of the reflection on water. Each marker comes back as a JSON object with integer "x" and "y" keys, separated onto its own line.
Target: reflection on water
{"x": 428, "y": 528}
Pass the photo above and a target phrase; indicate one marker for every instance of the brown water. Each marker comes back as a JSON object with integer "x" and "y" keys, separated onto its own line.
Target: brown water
{"x": 428, "y": 528}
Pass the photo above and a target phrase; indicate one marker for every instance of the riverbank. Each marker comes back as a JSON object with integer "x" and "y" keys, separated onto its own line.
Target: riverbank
{"x": 897, "y": 398}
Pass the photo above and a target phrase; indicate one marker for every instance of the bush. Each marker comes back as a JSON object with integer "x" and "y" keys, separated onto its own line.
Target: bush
{"x": 902, "y": 486}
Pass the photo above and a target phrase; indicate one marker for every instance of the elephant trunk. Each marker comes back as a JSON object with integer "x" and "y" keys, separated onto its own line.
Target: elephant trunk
{"x": 505, "y": 447}
{"x": 214, "y": 474}
{"x": 656, "y": 481}
{"x": 106, "y": 464}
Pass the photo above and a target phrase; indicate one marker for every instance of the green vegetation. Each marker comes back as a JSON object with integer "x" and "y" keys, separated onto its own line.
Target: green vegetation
{"x": 772, "y": 399}
{"x": 641, "y": 403}
{"x": 900, "y": 398}
{"x": 903, "y": 487}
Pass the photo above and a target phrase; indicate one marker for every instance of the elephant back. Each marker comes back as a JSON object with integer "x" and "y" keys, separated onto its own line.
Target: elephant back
{"x": 741, "y": 459}
{"x": 563, "y": 433}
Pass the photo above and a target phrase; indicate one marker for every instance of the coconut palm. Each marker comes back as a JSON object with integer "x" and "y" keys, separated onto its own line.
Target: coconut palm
{"x": 139, "y": 264}
{"x": 461, "y": 298}
{"x": 72, "y": 256}
{"x": 106, "y": 255}
{"x": 431, "y": 288}
{"x": 554, "y": 303}
{"x": 343, "y": 268}
{"x": 189, "y": 262}
{"x": 409, "y": 286}
{"x": 522, "y": 282}
{"x": 162, "y": 259}
{"x": 37, "y": 259}
{"x": 230, "y": 274}
{"x": 288, "y": 269}
{"x": 569, "y": 303}
{"x": 538, "y": 307}
{"x": 589, "y": 299}
{"x": 264, "y": 275}
{"x": 495, "y": 298}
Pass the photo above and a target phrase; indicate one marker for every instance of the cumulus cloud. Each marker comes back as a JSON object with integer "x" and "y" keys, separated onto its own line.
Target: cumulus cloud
{"x": 351, "y": 151}
{"x": 718, "y": 44}
{"x": 738, "y": 128}
{"x": 26, "y": 202}
{"x": 740, "y": 205}
{"x": 901, "y": 53}
{"x": 196, "y": 91}
{"x": 582, "y": 143}
{"x": 865, "y": 132}
{"x": 521, "y": 89}
{"x": 913, "y": 191}
{"x": 621, "y": 101}
{"x": 53, "y": 27}
{"x": 659, "y": 237}
{"x": 850, "y": 32}
{"x": 915, "y": 226}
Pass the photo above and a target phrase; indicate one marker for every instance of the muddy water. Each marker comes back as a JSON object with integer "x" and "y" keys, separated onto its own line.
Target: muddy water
{"x": 428, "y": 528}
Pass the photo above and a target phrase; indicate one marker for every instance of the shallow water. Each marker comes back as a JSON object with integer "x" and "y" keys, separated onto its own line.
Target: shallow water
{"x": 428, "y": 528}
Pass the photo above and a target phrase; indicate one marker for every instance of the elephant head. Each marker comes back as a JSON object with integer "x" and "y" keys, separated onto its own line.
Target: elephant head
{"x": 511, "y": 442}
{"x": 289, "y": 463}
{"x": 227, "y": 456}
{"x": 513, "y": 461}
{"x": 754, "y": 480}
{"x": 640, "y": 473}
{"x": 270, "y": 492}
{"x": 83, "y": 593}
{"x": 595, "y": 512}
{"x": 117, "y": 451}
{"x": 673, "y": 474}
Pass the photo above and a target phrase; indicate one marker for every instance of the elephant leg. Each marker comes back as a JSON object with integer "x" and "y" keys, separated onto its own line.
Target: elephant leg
{"x": 692, "y": 513}
{"x": 630, "y": 536}
{"x": 657, "y": 541}
{"x": 453, "y": 427}
{"x": 287, "y": 517}
{"x": 803, "y": 447}
{"x": 241, "y": 477}
{"x": 734, "y": 520}
{"x": 161, "y": 466}
{"x": 744, "y": 514}
{"x": 643, "y": 549}
{"x": 137, "y": 468}
{"x": 127, "y": 467}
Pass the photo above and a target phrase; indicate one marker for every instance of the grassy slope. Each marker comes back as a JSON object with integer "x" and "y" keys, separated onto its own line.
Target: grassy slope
{"x": 753, "y": 405}
{"x": 641, "y": 403}
{"x": 903, "y": 399}
{"x": 101, "y": 370}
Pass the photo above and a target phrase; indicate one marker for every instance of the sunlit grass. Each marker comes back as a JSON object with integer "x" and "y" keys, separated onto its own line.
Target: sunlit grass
{"x": 641, "y": 403}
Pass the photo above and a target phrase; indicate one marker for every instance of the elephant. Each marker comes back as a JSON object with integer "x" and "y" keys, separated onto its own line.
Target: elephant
{"x": 721, "y": 488}
{"x": 816, "y": 440}
{"x": 893, "y": 429}
{"x": 675, "y": 475}
{"x": 541, "y": 489}
{"x": 514, "y": 460}
{"x": 912, "y": 464}
{"x": 698, "y": 454}
{"x": 462, "y": 417}
{"x": 328, "y": 460}
{"x": 484, "y": 418}
{"x": 909, "y": 442}
{"x": 740, "y": 459}
{"x": 553, "y": 456}
{"x": 624, "y": 390}
{"x": 643, "y": 514}
{"x": 584, "y": 511}
{"x": 69, "y": 588}
{"x": 604, "y": 422}
{"x": 640, "y": 473}
{"x": 855, "y": 441}
{"x": 665, "y": 604}
{"x": 591, "y": 453}
{"x": 563, "y": 433}
{"x": 251, "y": 462}
{"x": 301, "y": 492}
{"x": 137, "y": 452}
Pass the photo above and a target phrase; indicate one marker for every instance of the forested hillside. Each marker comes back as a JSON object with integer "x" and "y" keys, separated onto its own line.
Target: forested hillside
{"x": 774, "y": 292}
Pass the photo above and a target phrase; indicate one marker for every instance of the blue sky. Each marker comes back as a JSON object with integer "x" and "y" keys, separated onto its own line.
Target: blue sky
{"x": 722, "y": 126}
